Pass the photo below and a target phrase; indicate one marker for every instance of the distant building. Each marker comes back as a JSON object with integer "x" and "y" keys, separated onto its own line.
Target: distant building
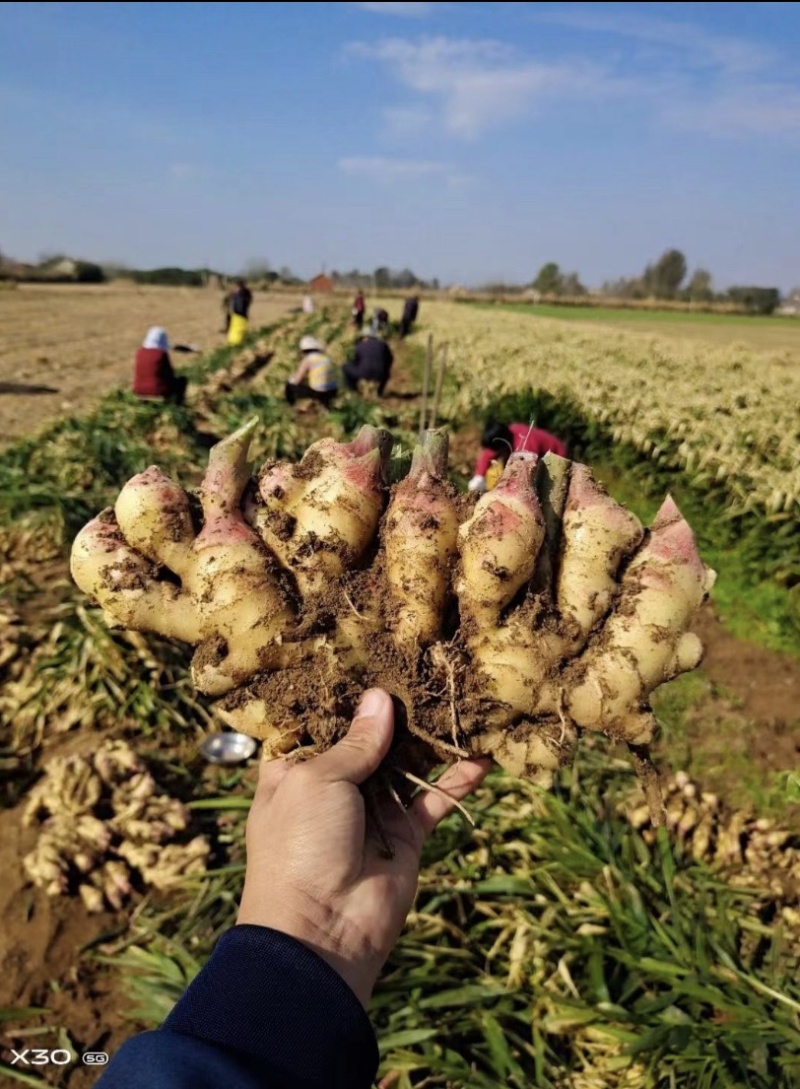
{"x": 17, "y": 270}
{"x": 791, "y": 304}
{"x": 321, "y": 284}
{"x": 60, "y": 268}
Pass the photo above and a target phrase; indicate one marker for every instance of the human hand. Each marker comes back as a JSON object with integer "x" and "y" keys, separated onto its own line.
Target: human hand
{"x": 315, "y": 871}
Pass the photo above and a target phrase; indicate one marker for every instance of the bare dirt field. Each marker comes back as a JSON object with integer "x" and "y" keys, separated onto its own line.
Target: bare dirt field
{"x": 79, "y": 342}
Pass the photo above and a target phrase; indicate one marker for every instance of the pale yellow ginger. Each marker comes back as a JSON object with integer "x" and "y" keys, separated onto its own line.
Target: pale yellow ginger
{"x": 503, "y": 628}
{"x": 101, "y": 855}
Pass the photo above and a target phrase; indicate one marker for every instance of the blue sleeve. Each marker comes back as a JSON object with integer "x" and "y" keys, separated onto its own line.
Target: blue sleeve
{"x": 264, "y": 1013}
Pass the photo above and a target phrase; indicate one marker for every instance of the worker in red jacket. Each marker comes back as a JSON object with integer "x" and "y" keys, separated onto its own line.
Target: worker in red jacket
{"x": 500, "y": 441}
{"x": 153, "y": 374}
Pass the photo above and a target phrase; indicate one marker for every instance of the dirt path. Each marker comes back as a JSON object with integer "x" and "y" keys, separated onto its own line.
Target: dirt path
{"x": 63, "y": 346}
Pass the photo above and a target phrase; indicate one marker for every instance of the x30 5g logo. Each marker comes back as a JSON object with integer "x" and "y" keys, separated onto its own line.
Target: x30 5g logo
{"x": 60, "y": 1056}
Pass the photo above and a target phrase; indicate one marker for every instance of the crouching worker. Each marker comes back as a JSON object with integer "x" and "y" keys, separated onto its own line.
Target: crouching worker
{"x": 500, "y": 441}
{"x": 153, "y": 373}
{"x": 315, "y": 378}
{"x": 371, "y": 362}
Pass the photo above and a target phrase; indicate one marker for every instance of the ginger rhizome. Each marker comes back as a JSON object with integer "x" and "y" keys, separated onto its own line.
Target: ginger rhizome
{"x": 503, "y": 627}
{"x": 103, "y": 826}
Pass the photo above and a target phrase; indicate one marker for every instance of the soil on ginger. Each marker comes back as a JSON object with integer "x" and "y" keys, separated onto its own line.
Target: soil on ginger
{"x": 41, "y": 937}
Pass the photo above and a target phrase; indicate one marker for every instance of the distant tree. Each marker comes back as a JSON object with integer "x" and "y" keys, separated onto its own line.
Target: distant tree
{"x": 257, "y": 268}
{"x": 664, "y": 278}
{"x": 549, "y": 280}
{"x": 404, "y": 279}
{"x": 500, "y": 287}
{"x": 699, "y": 287}
{"x": 759, "y": 300}
{"x": 286, "y": 275}
{"x": 178, "y": 277}
{"x": 382, "y": 277}
{"x": 625, "y": 288}
{"x": 572, "y": 286}
{"x": 87, "y": 272}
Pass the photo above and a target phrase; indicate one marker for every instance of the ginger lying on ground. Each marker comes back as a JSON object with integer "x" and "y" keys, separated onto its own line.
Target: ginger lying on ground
{"x": 504, "y": 627}
{"x": 103, "y": 854}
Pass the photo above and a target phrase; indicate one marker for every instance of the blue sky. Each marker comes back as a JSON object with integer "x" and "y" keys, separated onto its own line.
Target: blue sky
{"x": 468, "y": 141}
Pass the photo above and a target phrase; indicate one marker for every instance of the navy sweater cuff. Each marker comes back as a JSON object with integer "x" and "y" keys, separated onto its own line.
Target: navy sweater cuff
{"x": 269, "y": 997}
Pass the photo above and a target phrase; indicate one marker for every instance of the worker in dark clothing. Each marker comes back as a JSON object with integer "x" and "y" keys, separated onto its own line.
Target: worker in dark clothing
{"x": 281, "y": 1004}
{"x": 153, "y": 373}
{"x": 241, "y": 300}
{"x": 410, "y": 311}
{"x": 371, "y": 362}
{"x": 237, "y": 313}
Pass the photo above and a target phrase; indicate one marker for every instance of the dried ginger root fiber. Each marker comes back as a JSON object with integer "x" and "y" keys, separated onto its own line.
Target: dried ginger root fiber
{"x": 503, "y": 627}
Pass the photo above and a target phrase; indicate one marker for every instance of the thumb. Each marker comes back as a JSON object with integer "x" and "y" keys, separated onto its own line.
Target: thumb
{"x": 358, "y": 754}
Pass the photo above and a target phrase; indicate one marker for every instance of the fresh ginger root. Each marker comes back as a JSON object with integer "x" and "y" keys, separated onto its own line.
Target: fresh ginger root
{"x": 504, "y": 627}
{"x": 102, "y": 824}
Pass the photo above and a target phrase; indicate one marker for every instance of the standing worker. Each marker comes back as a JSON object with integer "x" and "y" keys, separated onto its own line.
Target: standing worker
{"x": 318, "y": 370}
{"x": 359, "y": 310}
{"x": 153, "y": 373}
{"x": 371, "y": 362}
{"x": 410, "y": 311}
{"x": 500, "y": 441}
{"x": 240, "y": 302}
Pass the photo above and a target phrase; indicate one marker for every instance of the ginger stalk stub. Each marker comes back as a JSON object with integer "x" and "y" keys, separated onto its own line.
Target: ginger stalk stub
{"x": 597, "y": 534}
{"x": 500, "y": 543}
{"x": 420, "y": 538}
{"x": 505, "y": 627}
{"x": 320, "y": 516}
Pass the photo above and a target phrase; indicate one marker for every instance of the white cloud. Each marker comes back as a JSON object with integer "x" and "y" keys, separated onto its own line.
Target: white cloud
{"x": 382, "y": 169}
{"x": 478, "y": 83}
{"x": 697, "y": 46}
{"x": 409, "y": 120}
{"x": 748, "y": 110}
{"x": 413, "y": 11}
{"x": 684, "y": 76}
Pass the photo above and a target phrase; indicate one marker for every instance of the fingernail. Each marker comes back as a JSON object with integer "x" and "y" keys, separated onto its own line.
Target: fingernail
{"x": 371, "y": 703}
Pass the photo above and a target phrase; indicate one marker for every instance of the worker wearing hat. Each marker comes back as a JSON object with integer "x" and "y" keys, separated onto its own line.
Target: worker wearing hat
{"x": 315, "y": 378}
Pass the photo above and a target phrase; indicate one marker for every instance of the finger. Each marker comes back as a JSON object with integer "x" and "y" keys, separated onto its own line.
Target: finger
{"x": 271, "y": 774}
{"x": 359, "y": 753}
{"x": 458, "y": 781}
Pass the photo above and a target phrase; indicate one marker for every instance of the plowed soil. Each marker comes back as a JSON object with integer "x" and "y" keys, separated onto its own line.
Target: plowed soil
{"x": 63, "y": 346}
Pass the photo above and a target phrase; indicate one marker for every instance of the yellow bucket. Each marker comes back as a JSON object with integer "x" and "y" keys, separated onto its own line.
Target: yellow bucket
{"x": 493, "y": 474}
{"x": 237, "y": 329}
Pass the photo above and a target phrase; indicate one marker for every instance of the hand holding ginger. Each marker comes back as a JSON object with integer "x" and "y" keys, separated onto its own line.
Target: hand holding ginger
{"x": 316, "y": 869}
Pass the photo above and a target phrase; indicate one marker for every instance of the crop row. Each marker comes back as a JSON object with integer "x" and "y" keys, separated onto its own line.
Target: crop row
{"x": 726, "y": 419}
